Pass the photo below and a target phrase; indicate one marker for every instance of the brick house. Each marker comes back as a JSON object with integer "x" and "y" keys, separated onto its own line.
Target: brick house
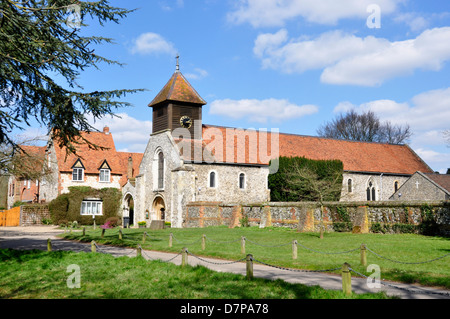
{"x": 104, "y": 167}
{"x": 22, "y": 188}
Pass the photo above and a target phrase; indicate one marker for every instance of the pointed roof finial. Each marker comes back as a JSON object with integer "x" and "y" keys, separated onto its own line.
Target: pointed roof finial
{"x": 178, "y": 63}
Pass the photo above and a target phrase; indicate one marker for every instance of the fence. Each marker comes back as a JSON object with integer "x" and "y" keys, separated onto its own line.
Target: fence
{"x": 345, "y": 269}
{"x": 24, "y": 215}
{"x": 10, "y": 218}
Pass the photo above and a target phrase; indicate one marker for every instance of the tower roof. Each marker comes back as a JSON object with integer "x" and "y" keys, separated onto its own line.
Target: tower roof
{"x": 178, "y": 89}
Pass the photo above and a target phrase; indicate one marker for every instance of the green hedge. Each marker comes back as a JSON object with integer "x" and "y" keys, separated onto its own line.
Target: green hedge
{"x": 324, "y": 169}
{"x": 66, "y": 207}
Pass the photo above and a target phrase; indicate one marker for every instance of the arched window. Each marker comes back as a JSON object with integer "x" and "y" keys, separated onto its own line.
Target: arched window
{"x": 160, "y": 170}
{"x": 350, "y": 185}
{"x": 241, "y": 180}
{"x": 395, "y": 186}
{"x": 212, "y": 179}
{"x": 371, "y": 192}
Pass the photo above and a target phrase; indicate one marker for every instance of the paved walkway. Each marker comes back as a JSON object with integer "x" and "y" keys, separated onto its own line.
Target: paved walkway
{"x": 25, "y": 238}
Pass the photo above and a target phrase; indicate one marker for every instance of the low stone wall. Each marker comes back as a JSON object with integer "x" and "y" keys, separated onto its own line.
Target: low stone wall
{"x": 31, "y": 215}
{"x": 363, "y": 217}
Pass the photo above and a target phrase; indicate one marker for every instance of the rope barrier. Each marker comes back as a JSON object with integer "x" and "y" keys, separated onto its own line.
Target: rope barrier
{"x": 295, "y": 270}
{"x": 408, "y": 263}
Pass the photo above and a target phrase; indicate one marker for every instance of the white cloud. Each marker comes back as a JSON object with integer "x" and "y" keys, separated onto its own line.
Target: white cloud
{"x": 152, "y": 43}
{"x": 261, "y": 110}
{"x": 129, "y": 133}
{"x": 197, "y": 74}
{"x": 426, "y": 113}
{"x": 348, "y": 59}
{"x": 275, "y": 13}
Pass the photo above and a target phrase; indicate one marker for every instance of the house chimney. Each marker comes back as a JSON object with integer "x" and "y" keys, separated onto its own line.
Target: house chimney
{"x": 130, "y": 167}
{"x": 106, "y": 130}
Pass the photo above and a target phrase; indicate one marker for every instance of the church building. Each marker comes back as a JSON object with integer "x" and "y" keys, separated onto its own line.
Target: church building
{"x": 188, "y": 161}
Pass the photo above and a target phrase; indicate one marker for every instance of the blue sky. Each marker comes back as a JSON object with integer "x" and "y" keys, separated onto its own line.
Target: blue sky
{"x": 290, "y": 65}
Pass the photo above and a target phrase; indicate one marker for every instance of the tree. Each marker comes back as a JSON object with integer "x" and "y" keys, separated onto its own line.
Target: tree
{"x": 365, "y": 127}
{"x": 320, "y": 189}
{"x": 42, "y": 54}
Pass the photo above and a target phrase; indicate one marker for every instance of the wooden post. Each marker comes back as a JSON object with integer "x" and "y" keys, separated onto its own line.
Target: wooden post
{"x": 120, "y": 234}
{"x": 243, "y": 245}
{"x": 49, "y": 244}
{"x": 170, "y": 240}
{"x": 103, "y": 232}
{"x": 139, "y": 251}
{"x": 249, "y": 267}
{"x": 84, "y": 231}
{"x": 346, "y": 279}
{"x": 363, "y": 255}
{"x": 203, "y": 242}
{"x": 144, "y": 236}
{"x": 294, "y": 249}
{"x": 184, "y": 257}
{"x": 93, "y": 248}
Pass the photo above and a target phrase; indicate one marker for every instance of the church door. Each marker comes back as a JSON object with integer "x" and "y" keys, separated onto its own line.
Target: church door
{"x": 159, "y": 208}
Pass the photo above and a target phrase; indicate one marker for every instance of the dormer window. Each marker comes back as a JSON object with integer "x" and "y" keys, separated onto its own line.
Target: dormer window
{"x": 78, "y": 171}
{"x": 105, "y": 173}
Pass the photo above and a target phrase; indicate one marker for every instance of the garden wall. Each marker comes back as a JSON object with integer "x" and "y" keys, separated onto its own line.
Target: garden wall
{"x": 34, "y": 214}
{"x": 386, "y": 217}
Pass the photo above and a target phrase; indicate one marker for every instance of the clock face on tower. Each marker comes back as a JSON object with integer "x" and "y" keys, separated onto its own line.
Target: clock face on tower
{"x": 186, "y": 122}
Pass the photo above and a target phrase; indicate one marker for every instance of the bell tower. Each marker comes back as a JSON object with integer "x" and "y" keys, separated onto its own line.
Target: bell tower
{"x": 177, "y": 105}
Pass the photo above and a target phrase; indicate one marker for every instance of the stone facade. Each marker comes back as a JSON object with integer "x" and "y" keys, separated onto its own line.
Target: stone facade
{"x": 383, "y": 184}
{"x": 189, "y": 182}
{"x": 422, "y": 187}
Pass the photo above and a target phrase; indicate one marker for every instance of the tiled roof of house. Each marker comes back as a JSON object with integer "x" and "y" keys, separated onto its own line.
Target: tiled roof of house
{"x": 178, "y": 89}
{"x": 356, "y": 156}
{"x": 33, "y": 157}
{"x": 92, "y": 159}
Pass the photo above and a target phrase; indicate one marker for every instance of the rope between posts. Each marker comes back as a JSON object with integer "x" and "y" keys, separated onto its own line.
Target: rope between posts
{"x": 403, "y": 288}
{"x": 164, "y": 261}
{"x": 408, "y": 263}
{"x": 194, "y": 242}
{"x": 222, "y": 242}
{"x": 273, "y": 246}
{"x": 294, "y": 270}
{"x": 216, "y": 263}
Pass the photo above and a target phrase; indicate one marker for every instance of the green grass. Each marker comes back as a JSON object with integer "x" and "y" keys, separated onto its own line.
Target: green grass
{"x": 224, "y": 243}
{"x": 43, "y": 275}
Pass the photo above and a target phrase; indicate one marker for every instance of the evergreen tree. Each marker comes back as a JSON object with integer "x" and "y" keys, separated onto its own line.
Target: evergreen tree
{"x": 41, "y": 43}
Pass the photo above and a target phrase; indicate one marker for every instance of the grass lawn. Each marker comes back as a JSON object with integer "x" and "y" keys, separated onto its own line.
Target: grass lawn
{"x": 43, "y": 275}
{"x": 273, "y": 246}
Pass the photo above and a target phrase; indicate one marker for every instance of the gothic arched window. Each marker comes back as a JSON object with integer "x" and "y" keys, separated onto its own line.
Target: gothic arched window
{"x": 160, "y": 170}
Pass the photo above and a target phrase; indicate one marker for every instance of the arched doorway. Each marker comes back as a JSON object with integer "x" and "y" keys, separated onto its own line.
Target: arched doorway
{"x": 128, "y": 210}
{"x": 159, "y": 209}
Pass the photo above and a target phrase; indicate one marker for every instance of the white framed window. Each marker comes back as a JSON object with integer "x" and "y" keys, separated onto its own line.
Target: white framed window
{"x": 242, "y": 181}
{"x": 212, "y": 179}
{"x": 91, "y": 207}
{"x": 105, "y": 175}
{"x": 78, "y": 175}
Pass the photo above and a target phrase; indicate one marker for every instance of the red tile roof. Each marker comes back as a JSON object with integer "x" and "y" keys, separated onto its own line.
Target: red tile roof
{"x": 356, "y": 156}
{"x": 92, "y": 159}
{"x": 178, "y": 89}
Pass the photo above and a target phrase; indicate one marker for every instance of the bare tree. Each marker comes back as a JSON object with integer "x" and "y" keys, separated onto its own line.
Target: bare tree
{"x": 365, "y": 127}
{"x": 320, "y": 189}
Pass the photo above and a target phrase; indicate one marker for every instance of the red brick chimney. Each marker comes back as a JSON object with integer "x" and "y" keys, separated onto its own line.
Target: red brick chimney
{"x": 106, "y": 130}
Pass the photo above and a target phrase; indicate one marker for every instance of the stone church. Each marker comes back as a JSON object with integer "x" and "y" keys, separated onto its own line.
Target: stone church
{"x": 188, "y": 161}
